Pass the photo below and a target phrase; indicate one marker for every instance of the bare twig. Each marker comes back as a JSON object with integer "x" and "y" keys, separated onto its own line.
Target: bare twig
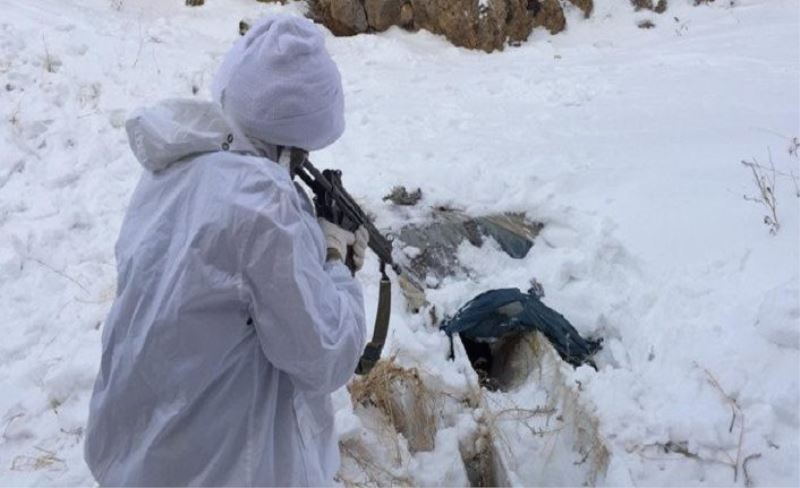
{"x": 794, "y": 147}
{"x": 60, "y": 273}
{"x": 765, "y": 182}
{"x": 736, "y": 411}
{"x": 10, "y": 421}
{"x": 748, "y": 481}
{"x": 518, "y": 413}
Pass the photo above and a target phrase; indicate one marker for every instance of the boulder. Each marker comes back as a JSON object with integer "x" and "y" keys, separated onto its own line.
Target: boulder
{"x": 475, "y": 25}
{"x": 342, "y": 17}
{"x": 454, "y": 19}
{"x": 586, "y": 6}
{"x": 548, "y": 14}
{"x": 382, "y": 14}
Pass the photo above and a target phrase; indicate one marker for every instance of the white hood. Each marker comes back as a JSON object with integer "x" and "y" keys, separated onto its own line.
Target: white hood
{"x": 178, "y": 128}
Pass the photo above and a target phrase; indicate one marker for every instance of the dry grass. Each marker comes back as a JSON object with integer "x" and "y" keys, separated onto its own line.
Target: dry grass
{"x": 47, "y": 460}
{"x": 765, "y": 179}
{"x": 405, "y": 404}
{"x": 376, "y": 474}
{"x": 400, "y": 395}
{"x": 737, "y": 461}
{"x": 530, "y": 358}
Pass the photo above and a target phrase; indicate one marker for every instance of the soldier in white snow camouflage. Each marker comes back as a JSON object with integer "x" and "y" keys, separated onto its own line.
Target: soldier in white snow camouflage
{"x": 233, "y": 320}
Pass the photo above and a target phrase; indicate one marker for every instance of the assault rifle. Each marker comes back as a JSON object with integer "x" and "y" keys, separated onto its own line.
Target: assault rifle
{"x": 333, "y": 203}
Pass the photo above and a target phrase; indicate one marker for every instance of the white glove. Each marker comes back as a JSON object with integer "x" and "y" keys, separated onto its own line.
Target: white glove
{"x": 337, "y": 238}
{"x": 340, "y": 241}
{"x": 360, "y": 247}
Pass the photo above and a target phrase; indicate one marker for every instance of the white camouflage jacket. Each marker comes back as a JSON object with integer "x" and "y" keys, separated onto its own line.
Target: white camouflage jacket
{"x": 188, "y": 392}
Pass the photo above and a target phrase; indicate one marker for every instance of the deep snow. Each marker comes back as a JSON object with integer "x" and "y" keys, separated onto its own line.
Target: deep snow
{"x": 625, "y": 142}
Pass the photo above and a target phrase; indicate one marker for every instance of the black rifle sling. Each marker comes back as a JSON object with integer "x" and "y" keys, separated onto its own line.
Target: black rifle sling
{"x": 324, "y": 185}
{"x": 372, "y": 353}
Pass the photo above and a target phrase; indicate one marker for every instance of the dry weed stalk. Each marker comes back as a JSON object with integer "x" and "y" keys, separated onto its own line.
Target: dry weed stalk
{"x": 765, "y": 182}
{"x": 61, "y": 273}
{"x": 735, "y": 411}
{"x": 682, "y": 448}
{"x": 50, "y": 63}
{"x": 794, "y": 147}
{"x": 529, "y": 357}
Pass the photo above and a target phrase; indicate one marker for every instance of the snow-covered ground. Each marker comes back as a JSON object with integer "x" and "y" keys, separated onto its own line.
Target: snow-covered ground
{"x": 625, "y": 142}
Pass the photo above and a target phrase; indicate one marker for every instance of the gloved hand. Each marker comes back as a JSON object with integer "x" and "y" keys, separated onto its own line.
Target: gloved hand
{"x": 360, "y": 247}
{"x": 340, "y": 241}
{"x": 337, "y": 239}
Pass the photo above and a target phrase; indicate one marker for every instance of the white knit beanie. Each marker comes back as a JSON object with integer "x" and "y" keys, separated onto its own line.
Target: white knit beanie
{"x": 280, "y": 85}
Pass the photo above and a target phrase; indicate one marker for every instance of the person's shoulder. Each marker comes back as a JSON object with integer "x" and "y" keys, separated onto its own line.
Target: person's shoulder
{"x": 244, "y": 173}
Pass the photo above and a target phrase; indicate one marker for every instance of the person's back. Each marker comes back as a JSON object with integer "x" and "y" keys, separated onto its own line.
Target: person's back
{"x": 230, "y": 329}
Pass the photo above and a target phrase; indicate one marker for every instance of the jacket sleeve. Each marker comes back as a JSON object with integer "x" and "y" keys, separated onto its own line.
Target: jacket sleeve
{"x": 308, "y": 314}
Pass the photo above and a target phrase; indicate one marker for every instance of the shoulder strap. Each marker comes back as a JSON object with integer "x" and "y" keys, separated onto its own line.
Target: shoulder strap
{"x": 372, "y": 353}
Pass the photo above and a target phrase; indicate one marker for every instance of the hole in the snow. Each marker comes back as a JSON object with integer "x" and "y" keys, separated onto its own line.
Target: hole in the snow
{"x": 505, "y": 363}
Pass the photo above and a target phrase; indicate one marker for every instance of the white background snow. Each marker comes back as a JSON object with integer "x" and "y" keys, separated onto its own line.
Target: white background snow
{"x": 625, "y": 142}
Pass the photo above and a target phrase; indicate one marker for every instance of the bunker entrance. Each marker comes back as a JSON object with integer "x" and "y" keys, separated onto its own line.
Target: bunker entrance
{"x": 505, "y": 363}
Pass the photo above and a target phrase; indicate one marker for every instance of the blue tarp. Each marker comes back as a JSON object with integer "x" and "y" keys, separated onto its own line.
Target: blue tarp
{"x": 496, "y": 313}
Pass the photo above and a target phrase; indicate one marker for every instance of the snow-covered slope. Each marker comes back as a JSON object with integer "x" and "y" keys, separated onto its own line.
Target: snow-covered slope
{"x": 625, "y": 142}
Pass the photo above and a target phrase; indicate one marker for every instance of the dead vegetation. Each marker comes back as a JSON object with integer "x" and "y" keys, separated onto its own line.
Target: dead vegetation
{"x": 401, "y": 396}
{"x": 376, "y": 474}
{"x": 765, "y": 177}
{"x": 47, "y": 460}
{"x": 394, "y": 400}
{"x": 709, "y": 454}
{"x": 646, "y": 24}
{"x": 529, "y": 358}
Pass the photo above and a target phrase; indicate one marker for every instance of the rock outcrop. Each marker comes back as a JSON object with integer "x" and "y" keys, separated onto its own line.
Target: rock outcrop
{"x": 550, "y": 15}
{"x": 476, "y": 24}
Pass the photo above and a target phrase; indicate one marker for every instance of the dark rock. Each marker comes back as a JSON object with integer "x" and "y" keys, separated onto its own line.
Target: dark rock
{"x": 487, "y": 25}
{"x": 549, "y": 15}
{"x": 342, "y": 17}
{"x": 438, "y": 241}
{"x": 382, "y": 14}
{"x": 468, "y": 24}
{"x": 406, "y": 15}
{"x": 659, "y": 7}
{"x": 400, "y": 196}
